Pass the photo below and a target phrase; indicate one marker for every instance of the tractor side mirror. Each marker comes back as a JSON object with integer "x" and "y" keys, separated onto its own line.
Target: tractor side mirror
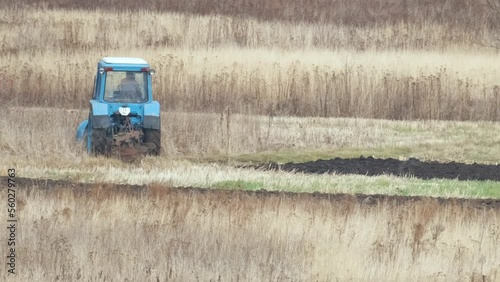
{"x": 152, "y": 71}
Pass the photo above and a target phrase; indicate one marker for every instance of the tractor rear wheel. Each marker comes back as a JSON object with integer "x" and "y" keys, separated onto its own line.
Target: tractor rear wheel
{"x": 153, "y": 136}
{"x": 99, "y": 144}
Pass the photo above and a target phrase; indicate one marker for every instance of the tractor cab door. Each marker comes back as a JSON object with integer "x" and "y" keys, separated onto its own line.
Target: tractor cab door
{"x": 97, "y": 86}
{"x": 94, "y": 95}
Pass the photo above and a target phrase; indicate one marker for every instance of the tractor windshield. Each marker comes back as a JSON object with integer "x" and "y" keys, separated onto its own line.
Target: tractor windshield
{"x": 126, "y": 87}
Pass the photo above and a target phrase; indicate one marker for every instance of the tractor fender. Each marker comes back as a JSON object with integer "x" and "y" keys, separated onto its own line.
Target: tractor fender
{"x": 81, "y": 130}
{"x": 99, "y": 115}
{"x": 152, "y": 115}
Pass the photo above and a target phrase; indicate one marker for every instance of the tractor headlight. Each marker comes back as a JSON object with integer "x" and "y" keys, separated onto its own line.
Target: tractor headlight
{"x": 124, "y": 111}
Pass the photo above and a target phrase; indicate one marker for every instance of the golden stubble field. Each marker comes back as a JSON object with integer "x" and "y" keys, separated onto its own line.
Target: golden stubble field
{"x": 105, "y": 232}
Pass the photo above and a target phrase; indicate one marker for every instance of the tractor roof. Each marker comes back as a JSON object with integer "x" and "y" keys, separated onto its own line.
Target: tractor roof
{"x": 123, "y": 60}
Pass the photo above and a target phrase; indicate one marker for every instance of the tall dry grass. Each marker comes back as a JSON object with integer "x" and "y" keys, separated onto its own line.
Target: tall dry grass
{"x": 204, "y": 65}
{"x": 107, "y": 232}
{"x": 187, "y": 82}
{"x": 33, "y": 30}
{"x": 467, "y": 14}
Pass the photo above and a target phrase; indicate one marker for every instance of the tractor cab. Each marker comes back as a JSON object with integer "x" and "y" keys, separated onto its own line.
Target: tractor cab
{"x": 122, "y": 113}
{"x": 123, "y": 80}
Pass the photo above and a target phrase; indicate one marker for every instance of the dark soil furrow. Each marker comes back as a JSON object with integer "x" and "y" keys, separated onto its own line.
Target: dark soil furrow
{"x": 412, "y": 167}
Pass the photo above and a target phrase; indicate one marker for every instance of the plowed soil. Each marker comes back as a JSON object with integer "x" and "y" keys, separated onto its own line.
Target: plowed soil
{"x": 412, "y": 167}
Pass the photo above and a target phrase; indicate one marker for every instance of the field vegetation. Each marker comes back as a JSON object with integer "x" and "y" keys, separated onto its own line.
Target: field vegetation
{"x": 155, "y": 233}
{"x": 465, "y": 14}
{"x": 239, "y": 88}
{"x": 192, "y": 139}
{"x": 250, "y": 82}
{"x": 217, "y": 62}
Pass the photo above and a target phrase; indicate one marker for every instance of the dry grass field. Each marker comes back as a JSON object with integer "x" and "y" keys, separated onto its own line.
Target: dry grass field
{"x": 216, "y": 63}
{"x": 467, "y": 15}
{"x": 192, "y": 139}
{"x": 250, "y": 82}
{"x": 104, "y": 232}
{"x": 205, "y": 136}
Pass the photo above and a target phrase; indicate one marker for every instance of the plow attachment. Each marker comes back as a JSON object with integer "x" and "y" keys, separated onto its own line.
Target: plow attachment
{"x": 127, "y": 144}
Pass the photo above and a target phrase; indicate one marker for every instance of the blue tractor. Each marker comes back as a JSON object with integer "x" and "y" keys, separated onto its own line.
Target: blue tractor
{"x": 124, "y": 120}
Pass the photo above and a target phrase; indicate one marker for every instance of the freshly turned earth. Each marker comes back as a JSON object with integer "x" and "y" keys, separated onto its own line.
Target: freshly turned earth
{"x": 412, "y": 167}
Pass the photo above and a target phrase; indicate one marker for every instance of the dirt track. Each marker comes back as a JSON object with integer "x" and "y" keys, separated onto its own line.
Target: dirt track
{"x": 109, "y": 189}
{"x": 412, "y": 167}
